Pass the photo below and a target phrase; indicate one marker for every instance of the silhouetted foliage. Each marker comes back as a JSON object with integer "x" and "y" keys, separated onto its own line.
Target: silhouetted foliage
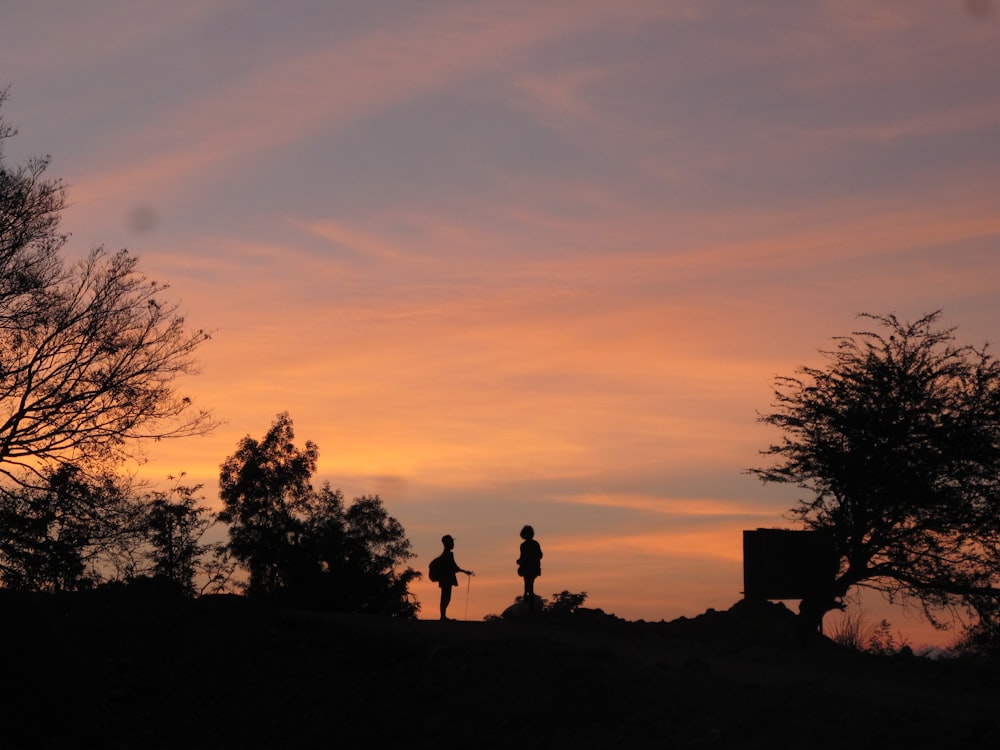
{"x": 898, "y": 443}
{"x": 563, "y": 604}
{"x": 71, "y": 534}
{"x": 89, "y": 352}
{"x": 306, "y": 547}
{"x": 175, "y": 526}
{"x": 266, "y": 491}
{"x": 856, "y": 632}
{"x": 566, "y": 603}
{"x": 353, "y": 558}
{"x": 981, "y": 638}
{"x": 80, "y": 531}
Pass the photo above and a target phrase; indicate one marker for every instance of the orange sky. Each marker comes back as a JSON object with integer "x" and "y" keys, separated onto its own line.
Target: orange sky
{"x": 511, "y": 262}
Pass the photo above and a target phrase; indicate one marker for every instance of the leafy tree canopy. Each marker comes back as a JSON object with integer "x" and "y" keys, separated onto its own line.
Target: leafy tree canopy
{"x": 73, "y": 533}
{"x": 305, "y": 546}
{"x": 175, "y": 525}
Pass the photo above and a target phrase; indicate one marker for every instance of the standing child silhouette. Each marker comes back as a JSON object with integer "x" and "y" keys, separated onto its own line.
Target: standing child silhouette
{"x": 529, "y": 564}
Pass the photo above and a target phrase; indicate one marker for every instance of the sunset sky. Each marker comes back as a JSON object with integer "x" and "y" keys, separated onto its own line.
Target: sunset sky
{"x": 526, "y": 262}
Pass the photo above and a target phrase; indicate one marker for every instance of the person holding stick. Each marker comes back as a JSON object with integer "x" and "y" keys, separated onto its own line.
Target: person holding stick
{"x": 447, "y": 567}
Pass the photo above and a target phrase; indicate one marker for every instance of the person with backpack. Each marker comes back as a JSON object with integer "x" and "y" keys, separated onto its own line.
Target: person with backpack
{"x": 442, "y": 571}
{"x": 529, "y": 564}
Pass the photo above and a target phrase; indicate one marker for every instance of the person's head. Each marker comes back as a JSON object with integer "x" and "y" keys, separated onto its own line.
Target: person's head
{"x": 527, "y": 533}
{"x": 448, "y": 542}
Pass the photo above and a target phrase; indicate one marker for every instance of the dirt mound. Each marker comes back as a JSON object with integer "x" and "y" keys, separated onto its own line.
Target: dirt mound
{"x": 746, "y": 621}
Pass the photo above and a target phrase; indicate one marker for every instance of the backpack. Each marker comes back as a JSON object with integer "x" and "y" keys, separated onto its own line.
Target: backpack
{"x": 436, "y": 571}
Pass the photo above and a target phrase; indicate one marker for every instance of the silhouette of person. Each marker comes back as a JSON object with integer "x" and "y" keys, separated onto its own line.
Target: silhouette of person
{"x": 529, "y": 564}
{"x": 448, "y": 578}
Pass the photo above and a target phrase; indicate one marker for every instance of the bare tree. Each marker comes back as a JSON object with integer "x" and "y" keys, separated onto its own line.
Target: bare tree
{"x": 30, "y": 239}
{"x": 90, "y": 353}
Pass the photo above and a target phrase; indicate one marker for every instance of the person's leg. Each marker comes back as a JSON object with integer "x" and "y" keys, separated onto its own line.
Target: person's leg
{"x": 529, "y": 591}
{"x": 445, "y": 601}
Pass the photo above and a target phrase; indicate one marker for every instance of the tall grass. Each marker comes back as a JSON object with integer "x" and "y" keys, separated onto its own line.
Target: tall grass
{"x": 855, "y": 631}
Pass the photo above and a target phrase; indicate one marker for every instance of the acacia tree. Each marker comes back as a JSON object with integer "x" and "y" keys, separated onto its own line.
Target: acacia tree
{"x": 90, "y": 352}
{"x": 897, "y": 442}
{"x": 307, "y": 547}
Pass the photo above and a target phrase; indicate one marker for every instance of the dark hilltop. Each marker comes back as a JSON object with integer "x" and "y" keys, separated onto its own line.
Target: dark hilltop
{"x": 115, "y": 670}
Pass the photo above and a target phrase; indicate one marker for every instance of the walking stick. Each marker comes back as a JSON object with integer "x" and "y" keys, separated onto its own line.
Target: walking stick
{"x": 468, "y": 587}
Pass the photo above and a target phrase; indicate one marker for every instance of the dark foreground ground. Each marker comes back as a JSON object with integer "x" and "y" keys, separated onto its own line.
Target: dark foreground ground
{"x": 114, "y": 672}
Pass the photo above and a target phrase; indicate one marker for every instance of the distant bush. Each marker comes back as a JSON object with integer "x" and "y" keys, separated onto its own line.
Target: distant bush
{"x": 982, "y": 639}
{"x": 563, "y": 604}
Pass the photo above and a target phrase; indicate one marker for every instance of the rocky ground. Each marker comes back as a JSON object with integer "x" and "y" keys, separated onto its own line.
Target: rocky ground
{"x": 114, "y": 672}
